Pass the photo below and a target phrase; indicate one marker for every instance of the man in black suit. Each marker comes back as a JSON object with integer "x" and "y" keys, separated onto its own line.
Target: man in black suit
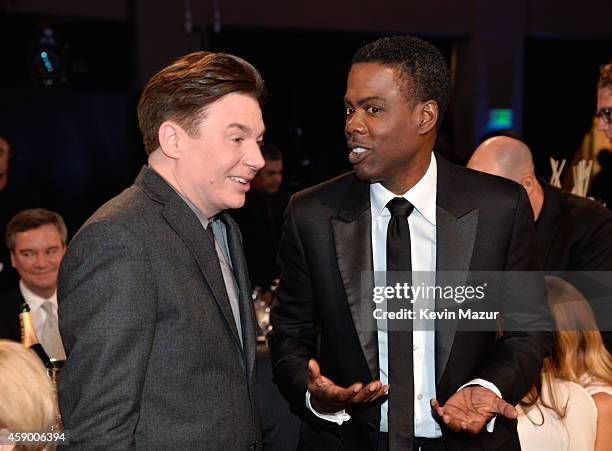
{"x": 573, "y": 233}
{"x": 154, "y": 296}
{"x": 332, "y": 361}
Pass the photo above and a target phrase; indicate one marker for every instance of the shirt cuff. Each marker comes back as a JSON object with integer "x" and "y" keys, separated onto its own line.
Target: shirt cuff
{"x": 491, "y": 386}
{"x": 336, "y": 417}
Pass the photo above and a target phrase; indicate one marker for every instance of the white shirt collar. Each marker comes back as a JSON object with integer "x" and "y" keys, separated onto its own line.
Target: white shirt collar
{"x": 422, "y": 195}
{"x": 34, "y": 300}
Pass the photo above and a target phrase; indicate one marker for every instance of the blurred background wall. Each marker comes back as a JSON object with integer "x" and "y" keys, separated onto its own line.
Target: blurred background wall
{"x": 526, "y": 65}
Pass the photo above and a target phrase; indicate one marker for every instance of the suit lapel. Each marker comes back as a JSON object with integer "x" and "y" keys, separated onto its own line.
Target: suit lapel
{"x": 548, "y": 222}
{"x": 456, "y": 226}
{"x": 352, "y": 231}
{"x": 247, "y": 312}
{"x": 188, "y": 227}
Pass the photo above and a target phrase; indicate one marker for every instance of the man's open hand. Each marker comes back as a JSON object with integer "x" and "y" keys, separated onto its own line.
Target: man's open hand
{"x": 327, "y": 397}
{"x": 471, "y": 408}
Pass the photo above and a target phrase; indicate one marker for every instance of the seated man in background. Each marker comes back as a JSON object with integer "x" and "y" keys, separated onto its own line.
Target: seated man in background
{"x": 36, "y": 239}
{"x": 261, "y": 218}
{"x": 573, "y": 233}
{"x": 604, "y": 101}
{"x": 601, "y": 187}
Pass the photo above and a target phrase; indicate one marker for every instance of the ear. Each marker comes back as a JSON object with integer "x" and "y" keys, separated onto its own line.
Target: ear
{"x": 428, "y": 116}
{"x": 528, "y": 183}
{"x": 13, "y": 259}
{"x": 169, "y": 136}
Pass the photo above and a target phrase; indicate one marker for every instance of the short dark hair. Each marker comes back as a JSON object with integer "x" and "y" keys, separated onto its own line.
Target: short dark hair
{"x": 605, "y": 76}
{"x": 34, "y": 218}
{"x": 417, "y": 60}
{"x": 183, "y": 90}
{"x": 270, "y": 152}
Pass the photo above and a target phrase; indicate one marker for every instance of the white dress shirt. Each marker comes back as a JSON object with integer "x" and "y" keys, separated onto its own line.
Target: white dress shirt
{"x": 422, "y": 223}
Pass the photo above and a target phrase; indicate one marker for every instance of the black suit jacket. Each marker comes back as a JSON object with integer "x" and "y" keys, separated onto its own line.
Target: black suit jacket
{"x": 154, "y": 359}
{"x": 9, "y": 314}
{"x": 575, "y": 234}
{"x": 483, "y": 223}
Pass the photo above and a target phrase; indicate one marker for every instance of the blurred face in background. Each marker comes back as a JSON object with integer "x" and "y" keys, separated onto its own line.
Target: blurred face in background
{"x": 4, "y": 162}
{"x": 604, "y": 109}
{"x": 37, "y": 257}
{"x": 268, "y": 180}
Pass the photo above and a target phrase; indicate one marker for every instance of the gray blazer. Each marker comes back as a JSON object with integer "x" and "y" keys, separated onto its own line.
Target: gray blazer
{"x": 154, "y": 356}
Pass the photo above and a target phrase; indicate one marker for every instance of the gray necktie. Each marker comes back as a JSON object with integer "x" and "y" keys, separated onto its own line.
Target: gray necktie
{"x": 229, "y": 278}
{"x": 49, "y": 334}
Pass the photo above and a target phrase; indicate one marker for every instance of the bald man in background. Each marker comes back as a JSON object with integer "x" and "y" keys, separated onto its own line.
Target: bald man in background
{"x": 573, "y": 233}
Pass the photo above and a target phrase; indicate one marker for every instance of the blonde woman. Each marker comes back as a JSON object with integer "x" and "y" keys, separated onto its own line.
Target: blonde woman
{"x": 27, "y": 401}
{"x": 571, "y": 405}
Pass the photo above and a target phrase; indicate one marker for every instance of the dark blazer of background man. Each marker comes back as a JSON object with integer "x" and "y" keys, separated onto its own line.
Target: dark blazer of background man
{"x": 573, "y": 233}
{"x": 397, "y": 91}
{"x": 160, "y": 353}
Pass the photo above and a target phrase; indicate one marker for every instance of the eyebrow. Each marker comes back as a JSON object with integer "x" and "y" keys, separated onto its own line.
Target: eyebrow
{"x": 243, "y": 127}
{"x": 366, "y": 100}
{"x": 27, "y": 249}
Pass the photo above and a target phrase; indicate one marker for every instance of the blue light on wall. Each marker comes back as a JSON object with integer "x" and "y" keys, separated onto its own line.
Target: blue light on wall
{"x": 46, "y": 61}
{"x": 500, "y": 119}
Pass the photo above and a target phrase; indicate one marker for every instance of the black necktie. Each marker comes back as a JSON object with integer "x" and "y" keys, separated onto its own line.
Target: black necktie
{"x": 401, "y": 394}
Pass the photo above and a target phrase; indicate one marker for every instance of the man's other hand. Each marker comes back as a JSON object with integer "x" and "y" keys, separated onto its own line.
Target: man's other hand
{"x": 471, "y": 408}
{"x": 327, "y": 397}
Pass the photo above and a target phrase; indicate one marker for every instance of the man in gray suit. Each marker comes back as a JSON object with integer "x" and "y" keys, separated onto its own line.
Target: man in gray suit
{"x": 154, "y": 296}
